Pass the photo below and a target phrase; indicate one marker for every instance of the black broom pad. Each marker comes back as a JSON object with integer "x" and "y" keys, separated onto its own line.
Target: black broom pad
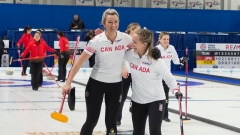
{"x": 71, "y": 99}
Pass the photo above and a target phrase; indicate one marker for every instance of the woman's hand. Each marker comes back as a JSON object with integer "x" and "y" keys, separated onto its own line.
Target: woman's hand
{"x": 66, "y": 88}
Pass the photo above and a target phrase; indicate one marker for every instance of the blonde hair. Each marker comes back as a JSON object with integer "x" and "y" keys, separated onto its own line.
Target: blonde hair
{"x": 109, "y": 12}
{"x": 146, "y": 36}
{"x": 161, "y": 35}
{"x": 132, "y": 26}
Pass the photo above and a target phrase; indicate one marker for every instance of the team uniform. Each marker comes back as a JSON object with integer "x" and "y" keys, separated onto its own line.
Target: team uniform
{"x": 25, "y": 39}
{"x": 168, "y": 55}
{"x": 148, "y": 98}
{"x": 63, "y": 58}
{"x": 105, "y": 80}
{"x": 36, "y": 49}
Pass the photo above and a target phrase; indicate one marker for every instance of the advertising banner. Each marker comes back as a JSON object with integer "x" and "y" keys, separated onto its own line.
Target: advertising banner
{"x": 195, "y": 4}
{"x": 217, "y": 55}
{"x": 159, "y": 3}
{"x": 213, "y": 4}
{"x": 104, "y": 3}
{"x": 122, "y": 3}
{"x": 85, "y": 2}
{"x": 179, "y": 4}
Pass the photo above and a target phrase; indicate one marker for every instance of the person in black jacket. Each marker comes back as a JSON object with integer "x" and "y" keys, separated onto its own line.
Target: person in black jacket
{"x": 77, "y": 23}
{"x": 1, "y": 50}
{"x": 88, "y": 37}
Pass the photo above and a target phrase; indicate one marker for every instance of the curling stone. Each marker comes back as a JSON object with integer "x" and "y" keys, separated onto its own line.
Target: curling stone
{"x": 9, "y": 72}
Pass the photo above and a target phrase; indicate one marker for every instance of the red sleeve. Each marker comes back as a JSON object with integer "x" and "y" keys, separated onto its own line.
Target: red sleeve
{"x": 20, "y": 41}
{"x": 48, "y": 48}
{"x": 61, "y": 44}
{"x": 28, "y": 48}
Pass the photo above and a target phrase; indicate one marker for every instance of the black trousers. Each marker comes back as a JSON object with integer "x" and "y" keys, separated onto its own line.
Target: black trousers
{"x": 25, "y": 64}
{"x": 140, "y": 112}
{"x": 166, "y": 90}
{"x": 36, "y": 77}
{"x": 62, "y": 65}
{"x": 94, "y": 93}
{"x": 1, "y": 54}
{"x": 126, "y": 84}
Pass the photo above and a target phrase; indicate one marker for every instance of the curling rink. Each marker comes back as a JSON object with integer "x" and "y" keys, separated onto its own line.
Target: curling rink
{"x": 27, "y": 112}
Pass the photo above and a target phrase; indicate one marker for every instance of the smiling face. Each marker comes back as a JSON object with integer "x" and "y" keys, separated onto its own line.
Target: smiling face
{"x": 164, "y": 40}
{"x": 138, "y": 46}
{"x": 36, "y": 36}
{"x": 111, "y": 23}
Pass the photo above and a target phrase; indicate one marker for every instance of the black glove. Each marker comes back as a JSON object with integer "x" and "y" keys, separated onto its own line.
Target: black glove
{"x": 156, "y": 53}
{"x": 179, "y": 95}
{"x": 56, "y": 52}
{"x": 183, "y": 60}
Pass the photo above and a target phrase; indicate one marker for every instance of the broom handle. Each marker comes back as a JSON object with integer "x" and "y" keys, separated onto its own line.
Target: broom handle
{"x": 34, "y": 57}
{"x": 63, "y": 99}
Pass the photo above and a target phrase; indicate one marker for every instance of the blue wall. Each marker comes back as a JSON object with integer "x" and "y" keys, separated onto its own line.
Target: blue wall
{"x": 14, "y": 16}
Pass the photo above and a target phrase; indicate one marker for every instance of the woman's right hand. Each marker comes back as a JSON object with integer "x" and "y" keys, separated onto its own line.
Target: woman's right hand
{"x": 66, "y": 89}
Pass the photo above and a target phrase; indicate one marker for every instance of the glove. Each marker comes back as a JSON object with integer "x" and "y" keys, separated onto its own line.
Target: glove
{"x": 184, "y": 59}
{"x": 56, "y": 52}
{"x": 179, "y": 95}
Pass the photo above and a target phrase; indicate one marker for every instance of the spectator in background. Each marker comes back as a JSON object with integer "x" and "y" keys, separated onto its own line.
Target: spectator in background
{"x": 77, "y": 23}
{"x": 2, "y": 45}
{"x": 88, "y": 37}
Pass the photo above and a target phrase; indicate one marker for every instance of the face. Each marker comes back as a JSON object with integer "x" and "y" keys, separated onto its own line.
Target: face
{"x": 137, "y": 44}
{"x": 58, "y": 36}
{"x": 75, "y": 17}
{"x": 112, "y": 23}
{"x": 132, "y": 31}
{"x": 29, "y": 31}
{"x": 164, "y": 41}
{"x": 36, "y": 37}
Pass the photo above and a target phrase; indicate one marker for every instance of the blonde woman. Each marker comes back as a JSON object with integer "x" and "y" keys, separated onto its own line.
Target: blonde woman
{"x": 105, "y": 79}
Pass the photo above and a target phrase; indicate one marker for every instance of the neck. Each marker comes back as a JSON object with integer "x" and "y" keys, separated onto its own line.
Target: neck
{"x": 141, "y": 53}
{"x": 111, "y": 36}
{"x": 165, "y": 47}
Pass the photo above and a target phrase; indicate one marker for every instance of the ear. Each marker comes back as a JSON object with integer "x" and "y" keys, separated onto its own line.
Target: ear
{"x": 145, "y": 44}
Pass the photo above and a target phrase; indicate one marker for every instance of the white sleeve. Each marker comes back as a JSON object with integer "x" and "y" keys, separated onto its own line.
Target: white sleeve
{"x": 175, "y": 58}
{"x": 165, "y": 73}
{"x": 91, "y": 47}
{"x": 128, "y": 39}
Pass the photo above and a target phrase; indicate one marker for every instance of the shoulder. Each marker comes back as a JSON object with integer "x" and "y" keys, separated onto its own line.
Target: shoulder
{"x": 125, "y": 35}
{"x": 171, "y": 47}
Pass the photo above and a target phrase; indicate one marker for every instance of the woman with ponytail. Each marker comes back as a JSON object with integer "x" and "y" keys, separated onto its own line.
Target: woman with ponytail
{"x": 63, "y": 56}
{"x": 126, "y": 82}
{"x": 148, "y": 97}
{"x": 25, "y": 39}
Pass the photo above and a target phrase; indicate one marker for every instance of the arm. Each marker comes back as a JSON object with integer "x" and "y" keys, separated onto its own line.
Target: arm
{"x": 25, "y": 52}
{"x": 20, "y": 41}
{"x": 165, "y": 73}
{"x": 61, "y": 44}
{"x": 175, "y": 58}
{"x": 48, "y": 48}
{"x": 76, "y": 66}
